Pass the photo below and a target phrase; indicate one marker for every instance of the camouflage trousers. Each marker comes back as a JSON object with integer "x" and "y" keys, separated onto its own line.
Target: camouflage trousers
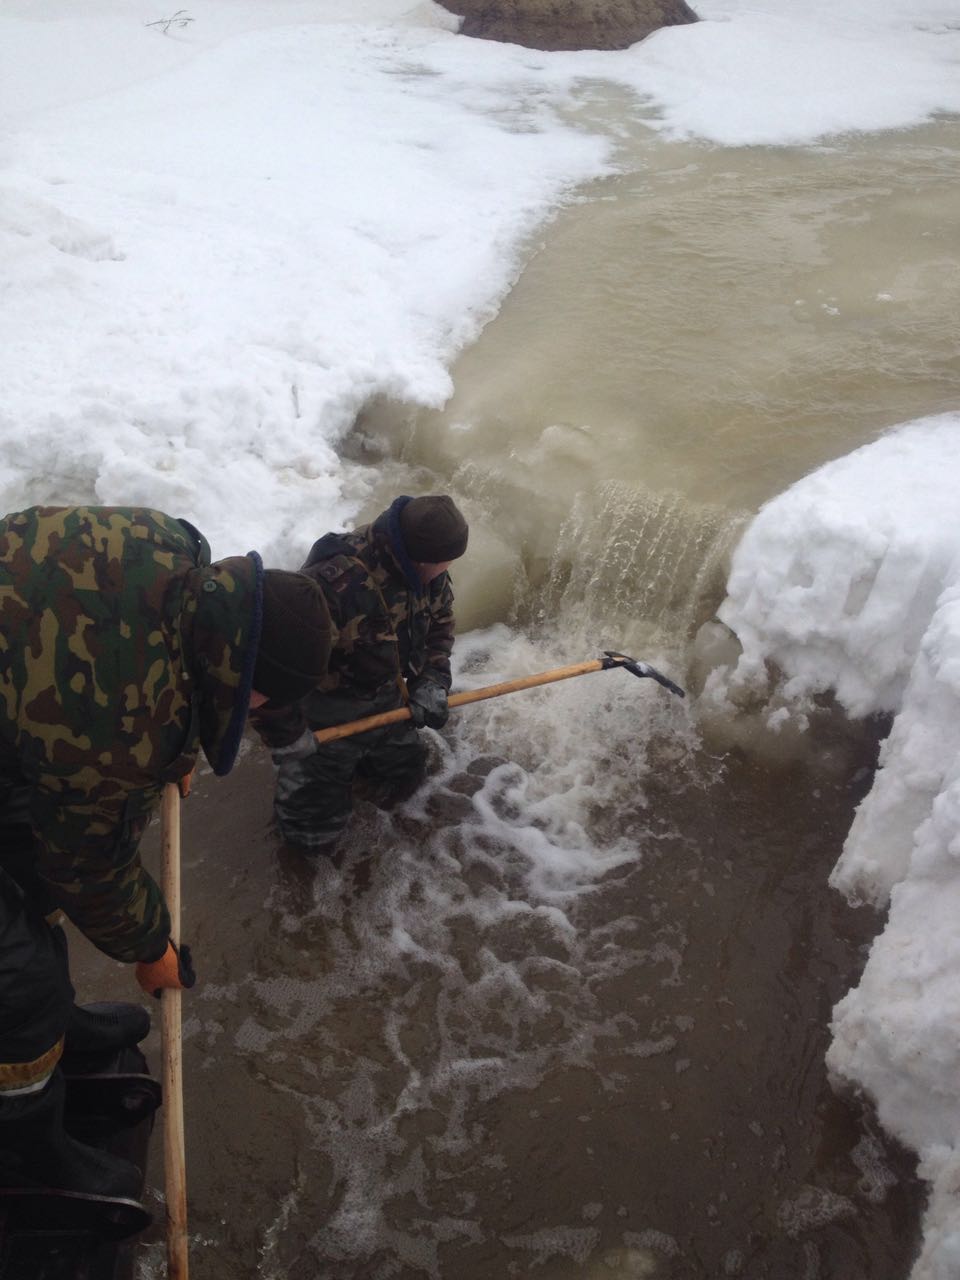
{"x": 314, "y": 796}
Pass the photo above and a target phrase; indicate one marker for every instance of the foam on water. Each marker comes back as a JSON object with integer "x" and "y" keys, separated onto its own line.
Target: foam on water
{"x": 445, "y": 966}
{"x": 468, "y": 930}
{"x": 813, "y": 1207}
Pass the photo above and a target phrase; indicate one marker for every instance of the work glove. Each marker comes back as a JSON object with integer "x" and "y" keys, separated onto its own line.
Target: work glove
{"x": 300, "y": 749}
{"x": 174, "y": 971}
{"x": 428, "y": 704}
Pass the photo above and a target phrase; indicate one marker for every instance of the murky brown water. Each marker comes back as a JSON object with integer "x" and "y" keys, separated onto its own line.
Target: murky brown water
{"x": 641, "y": 1093}
{"x": 564, "y": 1014}
{"x": 698, "y": 334}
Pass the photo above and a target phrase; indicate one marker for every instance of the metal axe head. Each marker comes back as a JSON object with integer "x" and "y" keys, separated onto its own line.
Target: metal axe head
{"x": 641, "y": 669}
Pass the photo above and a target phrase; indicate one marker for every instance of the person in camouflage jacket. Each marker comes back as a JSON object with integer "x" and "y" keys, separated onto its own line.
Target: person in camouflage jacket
{"x": 123, "y": 650}
{"x": 391, "y": 602}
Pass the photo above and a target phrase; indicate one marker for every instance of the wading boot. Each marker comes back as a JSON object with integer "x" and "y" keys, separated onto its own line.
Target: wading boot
{"x": 104, "y": 1028}
{"x": 37, "y": 1152}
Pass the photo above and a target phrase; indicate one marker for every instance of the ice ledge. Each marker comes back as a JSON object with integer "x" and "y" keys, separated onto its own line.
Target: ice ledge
{"x": 850, "y": 581}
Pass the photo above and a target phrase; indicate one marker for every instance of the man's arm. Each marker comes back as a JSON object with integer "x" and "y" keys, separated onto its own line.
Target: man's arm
{"x": 440, "y": 635}
{"x": 88, "y": 856}
{"x": 279, "y": 727}
{"x": 428, "y": 689}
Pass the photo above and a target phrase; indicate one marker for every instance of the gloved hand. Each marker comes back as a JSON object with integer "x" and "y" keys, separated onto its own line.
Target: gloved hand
{"x": 300, "y": 749}
{"x": 174, "y": 970}
{"x": 428, "y": 704}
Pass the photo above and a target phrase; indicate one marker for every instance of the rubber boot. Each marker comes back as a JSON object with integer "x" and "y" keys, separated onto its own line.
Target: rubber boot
{"x": 37, "y": 1152}
{"x": 105, "y": 1028}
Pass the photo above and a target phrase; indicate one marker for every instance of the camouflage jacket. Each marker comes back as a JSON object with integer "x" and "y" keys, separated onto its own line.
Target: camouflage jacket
{"x": 122, "y": 651}
{"x": 388, "y": 624}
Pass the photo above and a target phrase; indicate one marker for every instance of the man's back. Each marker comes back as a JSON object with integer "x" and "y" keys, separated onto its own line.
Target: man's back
{"x": 90, "y": 643}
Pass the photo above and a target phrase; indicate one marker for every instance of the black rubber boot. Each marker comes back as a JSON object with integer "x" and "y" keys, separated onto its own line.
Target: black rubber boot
{"x": 105, "y": 1028}
{"x": 37, "y": 1152}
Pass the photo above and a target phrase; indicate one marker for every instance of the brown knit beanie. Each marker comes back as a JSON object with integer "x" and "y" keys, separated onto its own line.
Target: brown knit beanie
{"x": 433, "y": 530}
{"x": 295, "y": 638}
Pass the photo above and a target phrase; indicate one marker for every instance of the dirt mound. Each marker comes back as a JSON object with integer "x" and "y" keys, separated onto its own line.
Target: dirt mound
{"x": 568, "y": 24}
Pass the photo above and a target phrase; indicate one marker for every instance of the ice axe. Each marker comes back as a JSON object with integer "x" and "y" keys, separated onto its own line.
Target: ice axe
{"x": 610, "y": 659}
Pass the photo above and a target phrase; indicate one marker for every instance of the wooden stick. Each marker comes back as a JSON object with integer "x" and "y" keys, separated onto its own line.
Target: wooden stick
{"x": 174, "y": 1162}
{"x": 460, "y": 699}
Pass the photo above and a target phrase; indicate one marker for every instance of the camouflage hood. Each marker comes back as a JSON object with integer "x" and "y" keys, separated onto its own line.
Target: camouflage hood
{"x": 223, "y": 617}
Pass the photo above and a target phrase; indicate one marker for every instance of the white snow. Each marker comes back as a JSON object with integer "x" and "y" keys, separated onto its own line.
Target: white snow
{"x": 782, "y": 72}
{"x": 850, "y": 581}
{"x": 218, "y": 242}
{"x": 210, "y": 268}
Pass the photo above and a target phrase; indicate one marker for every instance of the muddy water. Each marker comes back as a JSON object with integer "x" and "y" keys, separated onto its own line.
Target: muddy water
{"x": 564, "y": 1013}
{"x": 689, "y": 339}
{"x": 402, "y": 1067}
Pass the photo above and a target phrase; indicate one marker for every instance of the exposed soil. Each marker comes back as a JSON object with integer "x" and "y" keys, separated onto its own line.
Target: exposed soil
{"x": 568, "y": 24}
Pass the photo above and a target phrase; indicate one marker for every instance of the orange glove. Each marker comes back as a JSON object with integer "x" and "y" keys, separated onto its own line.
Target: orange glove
{"x": 174, "y": 970}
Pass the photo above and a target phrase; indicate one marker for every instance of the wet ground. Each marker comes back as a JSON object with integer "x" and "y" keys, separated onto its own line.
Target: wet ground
{"x": 417, "y": 1064}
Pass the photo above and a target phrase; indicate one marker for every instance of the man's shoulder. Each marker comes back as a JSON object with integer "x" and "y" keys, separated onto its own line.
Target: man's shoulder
{"x": 337, "y": 560}
{"x": 331, "y": 546}
{"x": 333, "y": 563}
{"x": 338, "y": 569}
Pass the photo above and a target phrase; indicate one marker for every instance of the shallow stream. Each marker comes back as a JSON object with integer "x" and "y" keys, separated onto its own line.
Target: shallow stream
{"x": 564, "y": 1013}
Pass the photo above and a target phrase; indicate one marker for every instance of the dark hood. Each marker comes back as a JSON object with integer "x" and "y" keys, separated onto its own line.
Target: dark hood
{"x": 227, "y": 599}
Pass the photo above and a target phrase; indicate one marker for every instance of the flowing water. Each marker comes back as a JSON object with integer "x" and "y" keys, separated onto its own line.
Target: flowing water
{"x": 691, "y": 338}
{"x": 563, "y": 1014}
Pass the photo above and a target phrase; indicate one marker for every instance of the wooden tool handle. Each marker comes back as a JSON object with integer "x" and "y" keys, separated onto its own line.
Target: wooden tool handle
{"x": 460, "y": 699}
{"x": 174, "y": 1161}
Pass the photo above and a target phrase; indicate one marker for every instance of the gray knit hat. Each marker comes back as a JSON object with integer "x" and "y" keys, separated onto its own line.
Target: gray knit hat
{"x": 433, "y": 530}
{"x": 295, "y": 638}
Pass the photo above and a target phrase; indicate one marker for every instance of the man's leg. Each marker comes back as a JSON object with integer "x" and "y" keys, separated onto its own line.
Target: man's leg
{"x": 35, "y": 992}
{"x": 89, "y": 1029}
{"x": 313, "y": 800}
{"x": 395, "y": 763}
{"x": 36, "y": 999}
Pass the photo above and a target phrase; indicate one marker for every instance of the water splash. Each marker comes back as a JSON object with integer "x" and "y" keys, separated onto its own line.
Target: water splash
{"x": 630, "y": 556}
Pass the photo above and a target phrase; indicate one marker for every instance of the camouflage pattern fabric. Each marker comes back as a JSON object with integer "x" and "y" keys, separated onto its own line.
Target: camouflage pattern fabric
{"x": 314, "y": 795}
{"x": 389, "y": 626}
{"x": 122, "y": 649}
{"x": 388, "y": 622}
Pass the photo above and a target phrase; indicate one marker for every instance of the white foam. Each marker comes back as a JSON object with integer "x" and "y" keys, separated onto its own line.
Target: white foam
{"x": 812, "y": 1208}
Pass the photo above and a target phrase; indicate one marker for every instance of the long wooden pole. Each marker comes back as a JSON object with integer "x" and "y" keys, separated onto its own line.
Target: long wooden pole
{"x": 174, "y": 1162}
{"x": 461, "y": 699}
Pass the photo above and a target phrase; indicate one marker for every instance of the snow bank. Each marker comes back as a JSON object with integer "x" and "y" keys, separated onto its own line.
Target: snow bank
{"x": 782, "y": 72}
{"x": 220, "y": 242}
{"x": 850, "y": 581}
{"x": 214, "y": 260}
{"x": 777, "y": 72}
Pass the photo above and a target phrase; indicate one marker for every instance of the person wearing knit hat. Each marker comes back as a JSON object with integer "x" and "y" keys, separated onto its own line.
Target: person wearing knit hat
{"x": 390, "y": 599}
{"x": 433, "y": 530}
{"x": 126, "y": 651}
